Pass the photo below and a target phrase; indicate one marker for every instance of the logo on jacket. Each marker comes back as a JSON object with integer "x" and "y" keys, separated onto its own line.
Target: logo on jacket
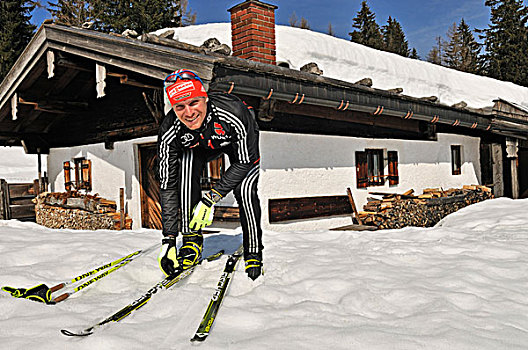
{"x": 218, "y": 129}
{"x": 186, "y": 139}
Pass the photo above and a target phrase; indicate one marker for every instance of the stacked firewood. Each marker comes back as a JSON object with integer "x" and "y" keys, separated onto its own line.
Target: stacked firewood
{"x": 395, "y": 210}
{"x": 74, "y": 210}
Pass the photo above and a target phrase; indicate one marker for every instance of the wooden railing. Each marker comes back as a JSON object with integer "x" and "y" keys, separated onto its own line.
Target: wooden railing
{"x": 16, "y": 200}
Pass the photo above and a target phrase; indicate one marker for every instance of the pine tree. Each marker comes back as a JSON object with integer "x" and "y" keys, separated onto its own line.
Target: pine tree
{"x": 394, "y": 38}
{"x": 15, "y": 31}
{"x": 331, "y": 30}
{"x": 143, "y": 16}
{"x": 436, "y": 54}
{"x": 368, "y": 31}
{"x": 293, "y": 20}
{"x": 461, "y": 49}
{"x": 304, "y": 23}
{"x": 506, "y": 41}
{"x": 451, "y": 46}
{"x": 189, "y": 17}
{"x": 414, "y": 54}
{"x": 70, "y": 12}
{"x": 471, "y": 61}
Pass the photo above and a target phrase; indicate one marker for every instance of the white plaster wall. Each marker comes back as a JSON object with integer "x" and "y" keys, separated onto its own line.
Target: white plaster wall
{"x": 311, "y": 165}
{"x": 292, "y": 165}
{"x": 111, "y": 170}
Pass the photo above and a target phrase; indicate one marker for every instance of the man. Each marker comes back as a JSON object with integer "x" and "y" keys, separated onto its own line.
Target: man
{"x": 199, "y": 128}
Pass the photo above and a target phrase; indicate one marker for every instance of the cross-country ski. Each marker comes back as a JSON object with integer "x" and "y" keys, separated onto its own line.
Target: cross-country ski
{"x": 218, "y": 297}
{"x": 166, "y": 283}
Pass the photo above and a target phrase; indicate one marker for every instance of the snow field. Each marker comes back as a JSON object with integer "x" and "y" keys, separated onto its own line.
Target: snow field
{"x": 459, "y": 285}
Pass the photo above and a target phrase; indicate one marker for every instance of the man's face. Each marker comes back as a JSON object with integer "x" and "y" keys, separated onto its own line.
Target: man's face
{"x": 191, "y": 112}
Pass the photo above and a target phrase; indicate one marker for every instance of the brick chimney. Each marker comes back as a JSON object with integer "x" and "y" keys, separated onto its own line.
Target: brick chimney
{"x": 253, "y": 31}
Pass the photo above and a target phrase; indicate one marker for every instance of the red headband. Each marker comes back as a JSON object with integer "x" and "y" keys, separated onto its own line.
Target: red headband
{"x": 184, "y": 89}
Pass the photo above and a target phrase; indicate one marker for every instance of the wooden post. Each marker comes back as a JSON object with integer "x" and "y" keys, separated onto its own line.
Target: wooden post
{"x": 497, "y": 161}
{"x": 122, "y": 207}
{"x": 353, "y": 205}
{"x": 515, "y": 177}
{"x": 512, "y": 149}
{"x": 5, "y": 213}
{"x": 40, "y": 184}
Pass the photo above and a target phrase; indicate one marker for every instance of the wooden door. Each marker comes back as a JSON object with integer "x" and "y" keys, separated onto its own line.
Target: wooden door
{"x": 150, "y": 187}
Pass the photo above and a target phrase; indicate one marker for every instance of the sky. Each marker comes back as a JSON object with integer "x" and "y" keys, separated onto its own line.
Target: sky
{"x": 422, "y": 21}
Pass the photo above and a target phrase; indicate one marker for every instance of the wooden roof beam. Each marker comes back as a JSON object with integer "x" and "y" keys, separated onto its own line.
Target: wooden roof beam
{"x": 54, "y": 106}
{"x": 347, "y": 116}
{"x": 63, "y": 81}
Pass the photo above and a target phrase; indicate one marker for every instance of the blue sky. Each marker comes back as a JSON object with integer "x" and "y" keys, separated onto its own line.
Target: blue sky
{"x": 422, "y": 20}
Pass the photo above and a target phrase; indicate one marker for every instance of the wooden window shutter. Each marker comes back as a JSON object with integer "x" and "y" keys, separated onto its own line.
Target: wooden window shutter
{"x": 393, "y": 168}
{"x": 86, "y": 174}
{"x": 67, "y": 176}
{"x": 361, "y": 169}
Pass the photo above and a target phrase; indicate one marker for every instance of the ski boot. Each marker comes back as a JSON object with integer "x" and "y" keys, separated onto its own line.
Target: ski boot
{"x": 190, "y": 252}
{"x": 254, "y": 265}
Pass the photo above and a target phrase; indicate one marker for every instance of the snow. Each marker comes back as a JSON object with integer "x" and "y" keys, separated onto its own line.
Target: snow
{"x": 459, "y": 285}
{"x": 348, "y": 61}
{"x": 17, "y": 166}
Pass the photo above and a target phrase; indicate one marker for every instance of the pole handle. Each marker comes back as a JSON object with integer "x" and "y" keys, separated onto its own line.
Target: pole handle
{"x": 61, "y": 297}
{"x": 57, "y": 287}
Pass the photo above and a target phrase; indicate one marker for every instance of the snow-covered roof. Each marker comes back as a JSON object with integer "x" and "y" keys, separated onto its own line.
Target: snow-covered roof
{"x": 351, "y": 62}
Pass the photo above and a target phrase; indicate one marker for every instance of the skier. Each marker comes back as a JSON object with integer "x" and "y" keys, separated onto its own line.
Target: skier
{"x": 199, "y": 128}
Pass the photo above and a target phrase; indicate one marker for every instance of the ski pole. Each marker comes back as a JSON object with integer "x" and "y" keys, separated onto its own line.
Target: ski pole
{"x": 130, "y": 257}
{"x": 42, "y": 292}
{"x": 117, "y": 264}
{"x": 90, "y": 281}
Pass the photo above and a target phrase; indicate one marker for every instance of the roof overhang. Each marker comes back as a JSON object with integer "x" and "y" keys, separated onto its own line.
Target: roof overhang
{"x": 49, "y": 99}
{"x": 50, "y": 92}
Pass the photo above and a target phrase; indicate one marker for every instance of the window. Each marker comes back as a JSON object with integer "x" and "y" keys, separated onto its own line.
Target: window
{"x": 83, "y": 175}
{"x": 370, "y": 168}
{"x": 213, "y": 172}
{"x": 375, "y": 167}
{"x": 456, "y": 160}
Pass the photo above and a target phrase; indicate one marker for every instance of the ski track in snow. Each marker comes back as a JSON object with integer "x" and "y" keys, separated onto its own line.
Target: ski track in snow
{"x": 459, "y": 285}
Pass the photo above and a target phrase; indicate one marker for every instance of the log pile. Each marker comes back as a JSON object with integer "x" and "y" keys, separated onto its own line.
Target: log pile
{"x": 395, "y": 210}
{"x": 77, "y": 211}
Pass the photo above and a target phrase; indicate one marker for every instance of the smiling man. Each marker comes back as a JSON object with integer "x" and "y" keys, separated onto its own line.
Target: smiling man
{"x": 198, "y": 129}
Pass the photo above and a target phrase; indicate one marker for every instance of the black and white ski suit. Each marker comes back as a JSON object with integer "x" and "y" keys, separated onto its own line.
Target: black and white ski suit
{"x": 229, "y": 127}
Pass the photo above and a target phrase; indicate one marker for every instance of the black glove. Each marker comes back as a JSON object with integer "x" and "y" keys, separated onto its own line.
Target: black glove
{"x": 167, "y": 257}
{"x": 39, "y": 293}
{"x": 254, "y": 265}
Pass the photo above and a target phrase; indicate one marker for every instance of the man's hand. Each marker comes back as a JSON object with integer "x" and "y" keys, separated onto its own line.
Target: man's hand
{"x": 204, "y": 211}
{"x": 167, "y": 257}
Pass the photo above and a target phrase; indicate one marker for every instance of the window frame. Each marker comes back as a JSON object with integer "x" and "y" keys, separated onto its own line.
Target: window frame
{"x": 213, "y": 172}
{"x": 456, "y": 160}
{"x": 375, "y": 166}
{"x": 370, "y": 167}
